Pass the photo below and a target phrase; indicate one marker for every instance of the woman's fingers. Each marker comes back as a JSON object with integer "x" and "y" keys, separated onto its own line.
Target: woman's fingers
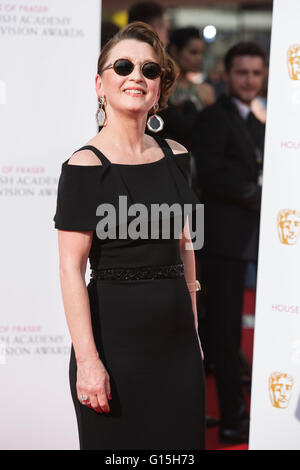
{"x": 90, "y": 401}
{"x": 84, "y": 398}
{"x": 93, "y": 387}
{"x": 108, "y": 389}
{"x": 102, "y": 399}
{"x": 99, "y": 401}
{"x": 202, "y": 354}
{"x": 95, "y": 404}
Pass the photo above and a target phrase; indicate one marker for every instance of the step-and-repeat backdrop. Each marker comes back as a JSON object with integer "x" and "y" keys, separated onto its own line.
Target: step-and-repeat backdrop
{"x": 48, "y": 61}
{"x": 275, "y": 401}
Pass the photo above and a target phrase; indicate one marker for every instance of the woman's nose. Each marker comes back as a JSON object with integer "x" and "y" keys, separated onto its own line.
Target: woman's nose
{"x": 136, "y": 74}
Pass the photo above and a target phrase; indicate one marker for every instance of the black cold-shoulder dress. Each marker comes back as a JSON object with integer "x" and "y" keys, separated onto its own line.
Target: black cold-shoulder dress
{"x": 143, "y": 327}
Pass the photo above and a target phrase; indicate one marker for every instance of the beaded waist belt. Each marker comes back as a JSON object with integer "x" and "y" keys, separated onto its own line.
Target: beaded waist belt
{"x": 136, "y": 273}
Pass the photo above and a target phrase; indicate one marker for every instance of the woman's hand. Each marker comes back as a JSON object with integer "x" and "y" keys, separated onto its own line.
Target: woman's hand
{"x": 202, "y": 354}
{"x": 93, "y": 384}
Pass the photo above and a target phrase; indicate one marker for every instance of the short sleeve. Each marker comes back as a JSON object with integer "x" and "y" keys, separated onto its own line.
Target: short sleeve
{"x": 78, "y": 196}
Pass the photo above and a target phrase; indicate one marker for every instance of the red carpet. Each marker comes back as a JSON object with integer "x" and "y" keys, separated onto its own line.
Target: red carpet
{"x": 212, "y": 441}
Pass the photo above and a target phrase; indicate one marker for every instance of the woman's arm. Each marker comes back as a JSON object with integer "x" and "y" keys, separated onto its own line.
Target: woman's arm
{"x": 92, "y": 377}
{"x": 188, "y": 259}
{"x": 187, "y": 256}
{"x": 73, "y": 252}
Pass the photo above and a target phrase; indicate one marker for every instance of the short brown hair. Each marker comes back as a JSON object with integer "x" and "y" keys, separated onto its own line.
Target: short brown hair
{"x": 243, "y": 48}
{"x": 145, "y": 33}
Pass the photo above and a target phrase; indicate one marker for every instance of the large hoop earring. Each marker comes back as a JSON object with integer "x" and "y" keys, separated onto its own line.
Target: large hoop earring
{"x": 155, "y": 123}
{"x": 100, "y": 114}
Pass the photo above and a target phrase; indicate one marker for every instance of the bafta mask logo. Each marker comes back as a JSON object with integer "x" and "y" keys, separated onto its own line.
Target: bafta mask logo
{"x": 280, "y": 389}
{"x": 293, "y": 61}
{"x": 288, "y": 225}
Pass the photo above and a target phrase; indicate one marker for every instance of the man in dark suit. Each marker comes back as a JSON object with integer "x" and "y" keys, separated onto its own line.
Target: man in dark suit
{"x": 228, "y": 153}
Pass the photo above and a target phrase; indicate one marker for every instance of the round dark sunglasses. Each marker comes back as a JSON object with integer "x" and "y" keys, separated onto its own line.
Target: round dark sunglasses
{"x": 124, "y": 67}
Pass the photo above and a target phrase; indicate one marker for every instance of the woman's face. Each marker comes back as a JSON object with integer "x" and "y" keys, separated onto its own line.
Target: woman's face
{"x": 189, "y": 58}
{"x": 118, "y": 90}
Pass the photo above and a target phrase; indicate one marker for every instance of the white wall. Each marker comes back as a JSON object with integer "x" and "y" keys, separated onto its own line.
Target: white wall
{"x": 275, "y": 401}
{"x": 48, "y": 61}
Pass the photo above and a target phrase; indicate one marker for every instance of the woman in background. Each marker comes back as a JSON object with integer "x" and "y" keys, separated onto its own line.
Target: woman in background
{"x": 186, "y": 47}
{"x": 188, "y": 98}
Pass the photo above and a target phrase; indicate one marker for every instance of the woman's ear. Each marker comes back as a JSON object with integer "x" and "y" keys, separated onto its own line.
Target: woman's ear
{"x": 99, "y": 85}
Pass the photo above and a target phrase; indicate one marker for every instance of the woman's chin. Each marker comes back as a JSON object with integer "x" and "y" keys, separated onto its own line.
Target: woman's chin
{"x": 135, "y": 108}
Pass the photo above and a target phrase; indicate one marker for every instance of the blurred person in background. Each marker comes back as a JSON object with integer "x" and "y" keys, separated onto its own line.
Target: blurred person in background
{"x": 153, "y": 14}
{"x": 186, "y": 47}
{"x": 108, "y": 30}
{"x": 216, "y": 78}
{"x": 228, "y": 150}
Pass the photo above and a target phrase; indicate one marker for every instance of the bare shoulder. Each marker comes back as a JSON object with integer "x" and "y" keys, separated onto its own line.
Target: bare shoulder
{"x": 176, "y": 147}
{"x": 84, "y": 158}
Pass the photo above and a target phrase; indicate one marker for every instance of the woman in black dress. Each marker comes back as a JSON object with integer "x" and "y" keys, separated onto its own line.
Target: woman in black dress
{"x": 136, "y": 371}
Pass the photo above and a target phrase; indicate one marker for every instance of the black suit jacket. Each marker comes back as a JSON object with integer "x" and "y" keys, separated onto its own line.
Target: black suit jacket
{"x": 227, "y": 173}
